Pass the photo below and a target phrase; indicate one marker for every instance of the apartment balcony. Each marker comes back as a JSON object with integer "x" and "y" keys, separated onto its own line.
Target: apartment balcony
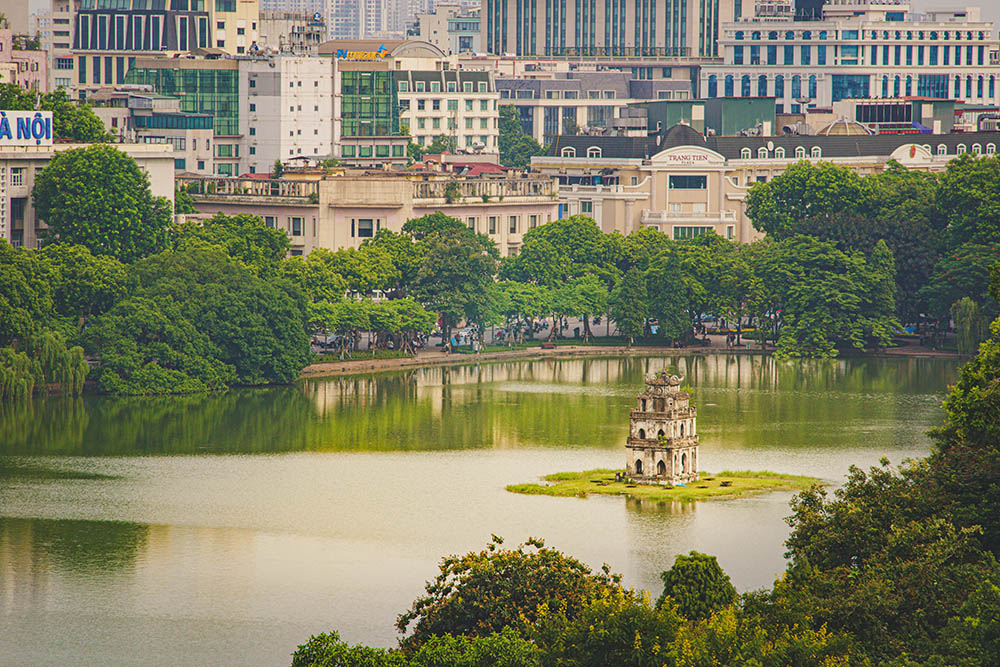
{"x": 485, "y": 189}
{"x": 684, "y": 217}
{"x": 252, "y": 191}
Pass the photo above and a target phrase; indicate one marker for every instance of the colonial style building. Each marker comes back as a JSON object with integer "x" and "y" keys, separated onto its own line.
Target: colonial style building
{"x": 662, "y": 446}
{"x": 344, "y": 209}
{"x": 686, "y": 184}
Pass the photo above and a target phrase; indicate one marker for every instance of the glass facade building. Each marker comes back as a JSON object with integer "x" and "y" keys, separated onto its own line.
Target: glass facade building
{"x": 214, "y": 92}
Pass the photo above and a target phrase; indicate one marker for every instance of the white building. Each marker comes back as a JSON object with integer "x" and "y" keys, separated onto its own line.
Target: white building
{"x": 461, "y": 105}
{"x": 861, "y": 49}
{"x": 285, "y": 112}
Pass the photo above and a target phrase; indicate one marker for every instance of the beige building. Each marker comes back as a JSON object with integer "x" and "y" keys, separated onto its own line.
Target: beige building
{"x": 341, "y": 211}
{"x": 19, "y": 165}
{"x": 28, "y": 69}
{"x": 460, "y": 105}
{"x": 685, "y": 185}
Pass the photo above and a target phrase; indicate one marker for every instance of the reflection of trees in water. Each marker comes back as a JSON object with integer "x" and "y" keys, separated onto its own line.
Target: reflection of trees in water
{"x": 744, "y": 400}
{"x": 82, "y": 546}
{"x": 267, "y": 420}
{"x": 654, "y": 507}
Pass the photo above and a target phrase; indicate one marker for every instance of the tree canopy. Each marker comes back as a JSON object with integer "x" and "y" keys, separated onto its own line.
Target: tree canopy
{"x": 516, "y": 147}
{"x": 99, "y": 198}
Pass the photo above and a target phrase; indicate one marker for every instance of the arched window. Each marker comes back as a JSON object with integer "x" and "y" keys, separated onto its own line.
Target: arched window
{"x": 895, "y": 86}
{"x": 772, "y": 34}
{"x": 968, "y": 86}
{"x": 779, "y": 153}
{"x": 993, "y": 87}
{"x": 812, "y": 86}
{"x": 977, "y": 149}
{"x": 739, "y": 35}
{"x": 960, "y": 149}
{"x": 682, "y": 429}
{"x": 642, "y": 434}
{"x": 822, "y": 34}
{"x": 660, "y": 433}
{"x": 796, "y": 87}
{"x": 927, "y": 148}
{"x": 909, "y": 85}
{"x": 779, "y": 86}
{"x": 728, "y": 90}
{"x": 762, "y": 85}
{"x": 568, "y": 151}
{"x": 684, "y": 461}
{"x": 800, "y": 151}
{"x": 816, "y": 152}
{"x": 807, "y": 34}
{"x": 755, "y": 34}
{"x": 713, "y": 86}
{"x": 885, "y": 85}
{"x": 762, "y": 153}
{"x": 789, "y": 35}
{"x": 594, "y": 152}
{"x": 638, "y": 466}
{"x": 979, "y": 87}
{"x": 942, "y": 149}
{"x": 661, "y": 469}
{"x": 745, "y": 86}
{"x": 934, "y": 34}
{"x": 958, "y": 86}
{"x": 991, "y": 149}
{"x": 745, "y": 154}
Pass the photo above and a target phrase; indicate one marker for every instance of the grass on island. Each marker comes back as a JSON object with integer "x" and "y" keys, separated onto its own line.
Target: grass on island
{"x": 726, "y": 484}
{"x": 17, "y": 471}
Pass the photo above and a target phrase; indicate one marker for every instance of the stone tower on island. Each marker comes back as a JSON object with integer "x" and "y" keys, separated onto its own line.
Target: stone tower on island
{"x": 662, "y": 445}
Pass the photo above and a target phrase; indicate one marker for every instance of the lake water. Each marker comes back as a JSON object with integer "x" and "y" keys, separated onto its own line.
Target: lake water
{"x": 224, "y": 530}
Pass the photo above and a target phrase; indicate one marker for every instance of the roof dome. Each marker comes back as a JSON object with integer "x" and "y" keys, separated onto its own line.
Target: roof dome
{"x": 681, "y": 134}
{"x": 845, "y": 127}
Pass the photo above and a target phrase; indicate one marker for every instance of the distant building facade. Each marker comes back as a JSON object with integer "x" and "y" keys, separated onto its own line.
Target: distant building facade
{"x": 344, "y": 210}
{"x": 27, "y": 69}
{"x": 684, "y": 184}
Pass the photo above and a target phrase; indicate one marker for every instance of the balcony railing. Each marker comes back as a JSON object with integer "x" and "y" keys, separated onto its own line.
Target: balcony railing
{"x": 245, "y": 188}
{"x": 661, "y": 217}
{"x": 485, "y": 188}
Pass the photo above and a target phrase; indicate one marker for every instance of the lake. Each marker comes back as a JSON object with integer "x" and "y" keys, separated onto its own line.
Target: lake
{"x": 226, "y": 529}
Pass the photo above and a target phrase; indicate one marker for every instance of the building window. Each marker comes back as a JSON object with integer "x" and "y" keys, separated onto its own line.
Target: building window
{"x": 366, "y": 228}
{"x": 991, "y": 149}
{"x": 800, "y": 151}
{"x": 779, "y": 153}
{"x": 296, "y": 226}
{"x": 512, "y": 224}
{"x": 533, "y": 219}
{"x": 685, "y": 233}
{"x": 568, "y": 151}
{"x": 492, "y": 220}
{"x": 688, "y": 182}
{"x": 762, "y": 153}
{"x": 746, "y": 154}
{"x": 594, "y": 152}
{"x": 471, "y": 222}
{"x": 942, "y": 149}
{"x": 269, "y": 221}
{"x": 16, "y": 177}
{"x": 817, "y": 151}
{"x": 586, "y": 206}
{"x": 977, "y": 149}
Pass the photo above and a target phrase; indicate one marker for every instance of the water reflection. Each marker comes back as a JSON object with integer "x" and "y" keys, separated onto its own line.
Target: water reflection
{"x": 743, "y": 400}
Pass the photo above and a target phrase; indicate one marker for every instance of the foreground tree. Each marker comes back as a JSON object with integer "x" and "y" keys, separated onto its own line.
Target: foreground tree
{"x": 697, "y": 585}
{"x": 70, "y": 121}
{"x": 483, "y": 592}
{"x": 99, "y": 198}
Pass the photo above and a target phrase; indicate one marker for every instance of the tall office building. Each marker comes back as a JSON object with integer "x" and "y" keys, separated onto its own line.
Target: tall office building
{"x": 859, "y": 50}
{"x": 682, "y": 28}
{"x": 94, "y": 42}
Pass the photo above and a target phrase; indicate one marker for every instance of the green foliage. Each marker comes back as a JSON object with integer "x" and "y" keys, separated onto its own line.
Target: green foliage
{"x": 562, "y": 250}
{"x": 970, "y": 325}
{"x": 44, "y": 359}
{"x": 619, "y": 628}
{"x": 406, "y": 254}
{"x": 315, "y": 276}
{"x": 243, "y": 237}
{"x": 498, "y": 649}
{"x": 483, "y": 592}
{"x": 26, "y": 301}
{"x": 629, "y": 308}
{"x": 70, "y": 122}
{"x": 969, "y": 197}
{"x": 516, "y": 148}
{"x": 697, "y": 585}
{"x": 99, "y": 198}
{"x": 206, "y": 321}
{"x": 962, "y": 272}
{"x": 183, "y": 203}
{"x": 329, "y": 650}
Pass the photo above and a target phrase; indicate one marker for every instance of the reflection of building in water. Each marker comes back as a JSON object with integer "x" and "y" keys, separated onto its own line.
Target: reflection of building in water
{"x": 662, "y": 446}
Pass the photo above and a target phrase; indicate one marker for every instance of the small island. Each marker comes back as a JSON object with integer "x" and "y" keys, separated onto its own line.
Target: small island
{"x": 661, "y": 460}
{"x": 726, "y": 484}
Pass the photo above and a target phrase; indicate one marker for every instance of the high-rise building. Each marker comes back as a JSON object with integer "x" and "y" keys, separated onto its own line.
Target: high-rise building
{"x": 681, "y": 28}
{"x": 94, "y": 42}
{"x": 859, "y": 50}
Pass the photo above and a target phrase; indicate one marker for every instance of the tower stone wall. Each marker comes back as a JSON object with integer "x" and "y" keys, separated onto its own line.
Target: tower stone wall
{"x": 662, "y": 446}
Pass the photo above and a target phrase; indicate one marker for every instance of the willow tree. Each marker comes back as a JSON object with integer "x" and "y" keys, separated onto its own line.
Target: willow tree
{"x": 43, "y": 362}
